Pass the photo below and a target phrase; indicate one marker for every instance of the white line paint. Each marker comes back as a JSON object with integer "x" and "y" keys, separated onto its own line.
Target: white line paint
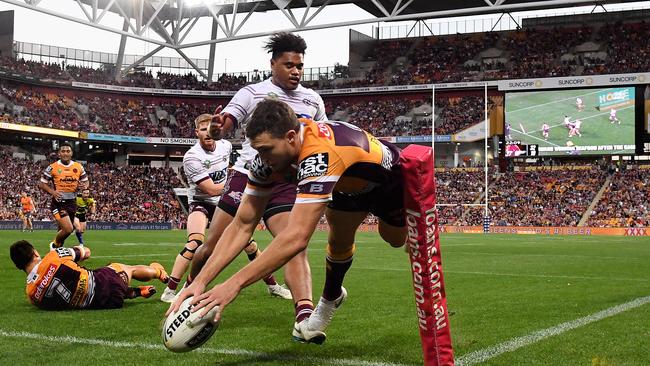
{"x": 514, "y": 344}
{"x": 224, "y": 351}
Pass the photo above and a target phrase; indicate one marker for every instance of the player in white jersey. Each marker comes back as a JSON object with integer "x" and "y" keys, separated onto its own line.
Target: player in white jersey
{"x": 287, "y": 68}
{"x": 206, "y": 167}
{"x": 580, "y": 104}
{"x": 576, "y": 128}
{"x": 545, "y": 130}
{"x": 567, "y": 123}
{"x": 612, "y": 116}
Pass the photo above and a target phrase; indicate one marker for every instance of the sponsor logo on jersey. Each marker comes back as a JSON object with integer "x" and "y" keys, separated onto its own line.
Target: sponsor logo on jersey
{"x": 313, "y": 166}
{"x": 310, "y": 103}
{"x": 260, "y": 170}
{"x": 218, "y": 176}
{"x": 45, "y": 281}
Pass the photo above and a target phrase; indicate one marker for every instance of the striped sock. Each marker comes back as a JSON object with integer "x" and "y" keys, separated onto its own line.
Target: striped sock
{"x": 303, "y": 310}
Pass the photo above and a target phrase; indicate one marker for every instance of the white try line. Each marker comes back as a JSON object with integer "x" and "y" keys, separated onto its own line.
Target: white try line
{"x": 514, "y": 344}
{"x": 223, "y": 351}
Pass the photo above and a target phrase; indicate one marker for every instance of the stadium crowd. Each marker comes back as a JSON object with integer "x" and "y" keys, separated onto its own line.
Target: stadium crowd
{"x": 539, "y": 196}
{"x": 523, "y": 53}
{"x": 124, "y": 193}
{"x": 129, "y": 115}
{"x": 112, "y": 114}
{"x": 399, "y": 116}
{"x": 546, "y": 196}
{"x": 626, "y": 200}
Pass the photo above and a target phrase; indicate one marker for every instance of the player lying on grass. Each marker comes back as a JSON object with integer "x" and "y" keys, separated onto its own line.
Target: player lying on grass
{"x": 57, "y": 282}
{"x": 341, "y": 171}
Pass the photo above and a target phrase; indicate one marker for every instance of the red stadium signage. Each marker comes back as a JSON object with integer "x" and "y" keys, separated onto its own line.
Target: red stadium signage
{"x": 424, "y": 253}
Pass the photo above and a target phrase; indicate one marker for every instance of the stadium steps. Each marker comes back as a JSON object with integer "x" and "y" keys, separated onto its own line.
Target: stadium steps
{"x": 480, "y": 198}
{"x": 180, "y": 177}
{"x": 594, "y": 202}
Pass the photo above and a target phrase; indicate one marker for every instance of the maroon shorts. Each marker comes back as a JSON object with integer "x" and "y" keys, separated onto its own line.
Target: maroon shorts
{"x": 385, "y": 202}
{"x": 203, "y": 207}
{"x": 63, "y": 208}
{"x": 283, "y": 196}
{"x": 110, "y": 288}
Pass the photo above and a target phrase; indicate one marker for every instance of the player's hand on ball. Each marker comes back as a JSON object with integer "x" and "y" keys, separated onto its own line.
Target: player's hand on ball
{"x": 193, "y": 290}
{"x": 219, "y": 296}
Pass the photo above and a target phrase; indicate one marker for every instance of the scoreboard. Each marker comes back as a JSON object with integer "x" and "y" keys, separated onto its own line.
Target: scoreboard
{"x": 516, "y": 149}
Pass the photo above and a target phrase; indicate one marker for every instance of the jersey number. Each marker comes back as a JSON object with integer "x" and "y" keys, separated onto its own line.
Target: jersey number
{"x": 58, "y": 287}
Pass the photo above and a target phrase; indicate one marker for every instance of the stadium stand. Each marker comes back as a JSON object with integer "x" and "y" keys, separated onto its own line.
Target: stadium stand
{"x": 124, "y": 193}
{"x": 526, "y": 53}
{"x": 102, "y": 112}
{"x": 625, "y": 202}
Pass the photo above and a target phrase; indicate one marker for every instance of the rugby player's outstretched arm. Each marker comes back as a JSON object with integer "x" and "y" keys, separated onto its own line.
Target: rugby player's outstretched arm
{"x": 234, "y": 239}
{"x": 292, "y": 240}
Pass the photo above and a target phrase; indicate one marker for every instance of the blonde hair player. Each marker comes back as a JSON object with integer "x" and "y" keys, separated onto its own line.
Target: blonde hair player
{"x": 206, "y": 167}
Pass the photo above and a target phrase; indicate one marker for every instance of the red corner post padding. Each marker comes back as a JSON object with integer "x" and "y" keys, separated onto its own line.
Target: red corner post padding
{"x": 424, "y": 253}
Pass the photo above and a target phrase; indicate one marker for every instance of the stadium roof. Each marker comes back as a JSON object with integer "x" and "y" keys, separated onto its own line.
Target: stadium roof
{"x": 173, "y": 20}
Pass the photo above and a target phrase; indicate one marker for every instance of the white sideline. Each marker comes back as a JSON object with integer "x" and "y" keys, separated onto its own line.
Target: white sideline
{"x": 223, "y": 351}
{"x": 486, "y": 354}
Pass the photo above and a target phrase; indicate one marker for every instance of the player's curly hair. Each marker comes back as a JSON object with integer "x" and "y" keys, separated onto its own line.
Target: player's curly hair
{"x": 274, "y": 117}
{"x": 21, "y": 253}
{"x": 282, "y": 42}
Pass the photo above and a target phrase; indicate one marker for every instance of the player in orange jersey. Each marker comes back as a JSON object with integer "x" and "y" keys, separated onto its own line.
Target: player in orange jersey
{"x": 65, "y": 177}
{"x": 340, "y": 170}
{"x": 57, "y": 282}
{"x": 27, "y": 208}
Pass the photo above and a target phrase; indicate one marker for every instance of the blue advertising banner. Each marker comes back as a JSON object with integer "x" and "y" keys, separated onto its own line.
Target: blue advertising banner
{"x": 115, "y": 138}
{"x": 422, "y": 138}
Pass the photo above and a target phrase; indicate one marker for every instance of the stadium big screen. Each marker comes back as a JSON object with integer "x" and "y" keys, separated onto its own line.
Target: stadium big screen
{"x": 570, "y": 122}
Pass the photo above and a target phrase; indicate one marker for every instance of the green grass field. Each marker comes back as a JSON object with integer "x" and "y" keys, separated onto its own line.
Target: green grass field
{"x": 503, "y": 290}
{"x": 532, "y": 109}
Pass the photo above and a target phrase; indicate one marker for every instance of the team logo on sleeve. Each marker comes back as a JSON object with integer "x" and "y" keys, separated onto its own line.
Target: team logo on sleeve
{"x": 313, "y": 166}
{"x": 323, "y": 131}
{"x": 260, "y": 170}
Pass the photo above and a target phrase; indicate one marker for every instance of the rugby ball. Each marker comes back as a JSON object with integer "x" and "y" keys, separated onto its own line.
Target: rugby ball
{"x": 184, "y": 330}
